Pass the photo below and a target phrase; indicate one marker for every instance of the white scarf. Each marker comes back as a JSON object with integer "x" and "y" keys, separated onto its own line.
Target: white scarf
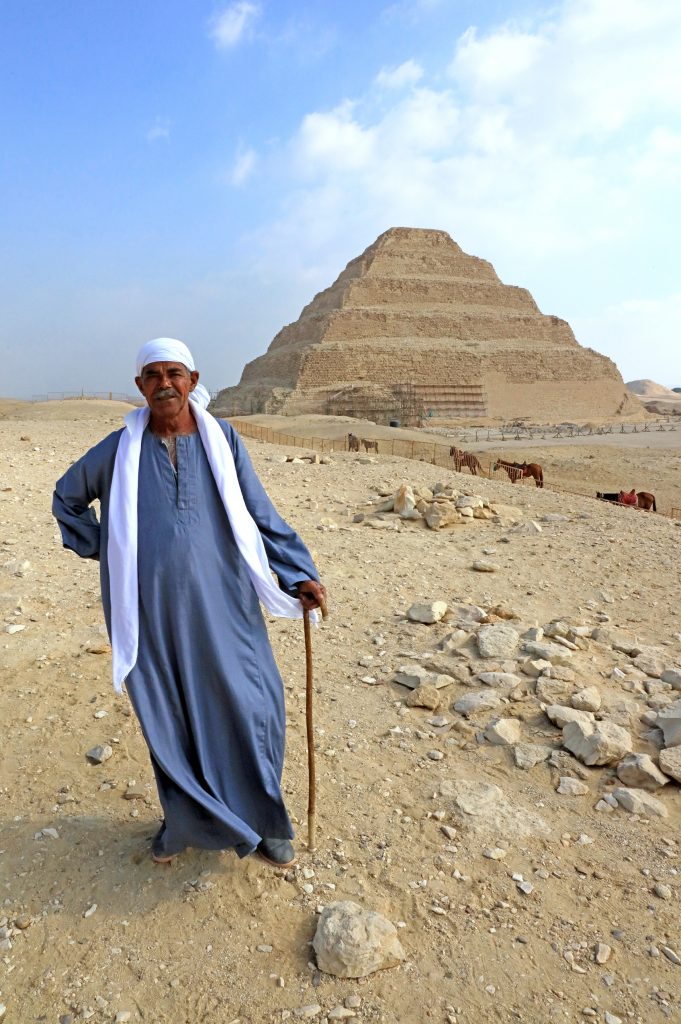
{"x": 122, "y": 546}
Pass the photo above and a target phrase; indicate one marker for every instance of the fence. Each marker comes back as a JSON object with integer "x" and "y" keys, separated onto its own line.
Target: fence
{"x": 109, "y": 396}
{"x": 436, "y": 454}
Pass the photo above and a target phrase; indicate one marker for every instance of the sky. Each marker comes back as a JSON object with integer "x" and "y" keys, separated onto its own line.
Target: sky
{"x": 196, "y": 169}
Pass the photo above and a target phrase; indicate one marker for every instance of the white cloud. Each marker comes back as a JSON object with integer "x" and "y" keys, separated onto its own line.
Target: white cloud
{"x": 159, "y": 130}
{"x": 244, "y": 164}
{"x": 497, "y": 61}
{"x": 234, "y": 23}
{"x": 408, "y": 73}
{"x": 332, "y": 142}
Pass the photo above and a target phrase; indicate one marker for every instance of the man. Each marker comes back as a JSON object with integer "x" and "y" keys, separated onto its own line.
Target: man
{"x": 187, "y": 541}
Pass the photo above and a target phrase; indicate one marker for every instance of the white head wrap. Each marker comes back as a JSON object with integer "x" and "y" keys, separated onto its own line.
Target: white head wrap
{"x": 122, "y": 545}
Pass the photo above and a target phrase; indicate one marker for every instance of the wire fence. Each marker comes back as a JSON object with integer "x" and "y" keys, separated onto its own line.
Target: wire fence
{"x": 109, "y": 396}
{"x": 433, "y": 452}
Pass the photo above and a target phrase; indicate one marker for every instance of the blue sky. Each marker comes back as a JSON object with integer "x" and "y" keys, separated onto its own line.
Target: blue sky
{"x": 200, "y": 170}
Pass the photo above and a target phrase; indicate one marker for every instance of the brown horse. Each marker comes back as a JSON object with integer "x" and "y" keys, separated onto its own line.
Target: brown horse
{"x": 353, "y": 443}
{"x": 370, "y": 446}
{"x": 646, "y": 501}
{"x": 518, "y": 470}
{"x": 628, "y": 497}
{"x": 462, "y": 458}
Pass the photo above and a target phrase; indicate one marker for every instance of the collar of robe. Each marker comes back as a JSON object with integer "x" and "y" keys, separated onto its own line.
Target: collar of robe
{"x": 123, "y": 527}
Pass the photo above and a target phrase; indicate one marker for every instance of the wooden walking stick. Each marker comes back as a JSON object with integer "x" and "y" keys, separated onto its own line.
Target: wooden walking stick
{"x": 311, "y": 773}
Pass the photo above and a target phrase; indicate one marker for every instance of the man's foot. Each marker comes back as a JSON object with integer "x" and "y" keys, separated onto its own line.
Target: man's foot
{"x": 162, "y": 860}
{"x": 277, "y": 852}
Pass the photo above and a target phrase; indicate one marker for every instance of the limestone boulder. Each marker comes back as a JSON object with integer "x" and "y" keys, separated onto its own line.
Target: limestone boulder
{"x": 597, "y": 743}
{"x": 424, "y": 696}
{"x": 404, "y": 502}
{"x": 473, "y": 703}
{"x": 560, "y": 715}
{"x": 669, "y": 720}
{"x": 528, "y": 755}
{"x": 498, "y": 640}
{"x": 351, "y": 942}
{"x": 503, "y": 732}
{"x": 670, "y": 762}
{"x": 427, "y": 613}
{"x": 588, "y": 699}
{"x": 547, "y": 651}
{"x": 641, "y": 772}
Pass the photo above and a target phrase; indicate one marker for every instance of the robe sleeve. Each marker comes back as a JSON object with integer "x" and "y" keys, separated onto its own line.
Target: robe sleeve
{"x": 73, "y": 495}
{"x": 286, "y": 553}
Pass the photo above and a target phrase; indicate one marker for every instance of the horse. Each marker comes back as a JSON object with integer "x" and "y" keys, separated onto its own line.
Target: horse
{"x": 353, "y": 443}
{"x": 462, "y": 458}
{"x": 629, "y": 498}
{"x": 518, "y": 470}
{"x": 612, "y": 496}
{"x": 370, "y": 445}
{"x": 646, "y": 501}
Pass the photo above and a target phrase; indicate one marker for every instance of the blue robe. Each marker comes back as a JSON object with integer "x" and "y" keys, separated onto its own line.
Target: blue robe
{"x": 206, "y": 688}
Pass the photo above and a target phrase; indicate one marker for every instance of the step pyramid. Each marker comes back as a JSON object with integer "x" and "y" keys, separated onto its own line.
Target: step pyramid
{"x": 416, "y": 327}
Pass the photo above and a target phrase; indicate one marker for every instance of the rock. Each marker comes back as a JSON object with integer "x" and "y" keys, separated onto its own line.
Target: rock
{"x": 527, "y": 755}
{"x": 309, "y": 1011}
{"x": 588, "y": 699}
{"x": 481, "y": 565}
{"x": 503, "y": 732}
{"x": 650, "y": 665}
{"x": 596, "y": 742}
{"x": 603, "y": 952}
{"x": 571, "y": 787}
{"x": 670, "y": 762}
{"x": 351, "y": 942}
{"x": 611, "y": 1018}
{"x": 427, "y": 613}
{"x": 424, "y": 696}
{"x": 453, "y": 641}
{"x": 663, "y": 892}
{"x": 553, "y": 691}
{"x": 494, "y": 853}
{"x": 498, "y": 640}
{"x": 529, "y": 528}
{"x": 123, "y": 1016}
{"x": 484, "y": 807}
{"x": 499, "y": 680}
{"x": 341, "y": 1013}
{"x": 404, "y": 502}
{"x": 554, "y": 653}
{"x": 638, "y": 801}
{"x": 534, "y": 667}
{"x": 471, "y": 703}
{"x": 560, "y": 715}
{"x": 673, "y": 676}
{"x": 469, "y": 501}
{"x": 135, "y": 793}
{"x": 641, "y": 772}
{"x": 669, "y": 720}
{"x": 671, "y": 955}
{"x": 411, "y": 675}
{"x": 466, "y": 616}
{"x": 439, "y": 515}
{"x": 100, "y": 754}
{"x": 435, "y": 755}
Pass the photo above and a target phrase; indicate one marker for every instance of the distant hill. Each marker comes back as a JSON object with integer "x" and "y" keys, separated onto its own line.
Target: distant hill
{"x": 649, "y": 389}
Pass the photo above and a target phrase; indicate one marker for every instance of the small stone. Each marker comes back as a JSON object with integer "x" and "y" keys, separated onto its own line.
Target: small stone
{"x": 669, "y": 720}
{"x": 571, "y": 787}
{"x": 503, "y": 732}
{"x": 471, "y": 703}
{"x": 671, "y": 955}
{"x": 638, "y": 801}
{"x": 135, "y": 793}
{"x": 424, "y": 696}
{"x": 435, "y": 755}
{"x": 23, "y": 922}
{"x": 611, "y": 1018}
{"x": 353, "y": 1002}
{"x": 100, "y": 754}
{"x": 482, "y": 565}
{"x": 311, "y": 1010}
{"x": 90, "y": 910}
{"x": 122, "y": 1017}
{"x": 494, "y": 853}
{"x": 500, "y": 680}
{"x": 603, "y": 953}
{"x": 588, "y": 699}
{"x": 427, "y": 613}
{"x": 341, "y": 1013}
{"x": 673, "y": 676}
{"x": 663, "y": 892}
{"x": 14, "y": 628}
{"x": 525, "y": 887}
{"x": 351, "y": 942}
{"x": 528, "y": 755}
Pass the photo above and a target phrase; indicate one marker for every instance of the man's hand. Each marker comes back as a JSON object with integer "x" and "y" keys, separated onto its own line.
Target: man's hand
{"x": 311, "y": 594}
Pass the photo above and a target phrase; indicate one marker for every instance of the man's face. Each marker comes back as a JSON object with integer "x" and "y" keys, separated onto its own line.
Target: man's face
{"x": 166, "y": 387}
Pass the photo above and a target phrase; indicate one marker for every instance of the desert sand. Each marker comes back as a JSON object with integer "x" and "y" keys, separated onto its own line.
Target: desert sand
{"x": 94, "y": 931}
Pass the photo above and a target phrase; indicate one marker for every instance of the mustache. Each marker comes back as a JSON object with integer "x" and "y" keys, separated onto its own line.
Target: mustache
{"x": 166, "y": 393}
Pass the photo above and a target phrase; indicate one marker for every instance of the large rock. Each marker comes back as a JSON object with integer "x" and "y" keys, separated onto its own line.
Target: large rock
{"x": 351, "y": 942}
{"x": 588, "y": 699}
{"x": 498, "y": 640}
{"x": 638, "y": 801}
{"x": 670, "y": 762}
{"x": 439, "y": 515}
{"x": 472, "y": 703}
{"x": 669, "y": 720}
{"x": 641, "y": 772}
{"x": 673, "y": 676}
{"x": 554, "y": 653}
{"x": 404, "y": 502}
{"x": 527, "y": 755}
{"x": 424, "y": 696}
{"x": 597, "y": 742}
{"x": 561, "y": 715}
{"x": 504, "y": 681}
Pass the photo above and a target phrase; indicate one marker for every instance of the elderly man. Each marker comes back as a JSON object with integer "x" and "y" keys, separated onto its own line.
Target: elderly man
{"x": 187, "y": 541}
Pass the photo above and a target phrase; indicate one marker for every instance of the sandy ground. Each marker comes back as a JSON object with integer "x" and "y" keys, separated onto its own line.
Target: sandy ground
{"x": 181, "y": 944}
